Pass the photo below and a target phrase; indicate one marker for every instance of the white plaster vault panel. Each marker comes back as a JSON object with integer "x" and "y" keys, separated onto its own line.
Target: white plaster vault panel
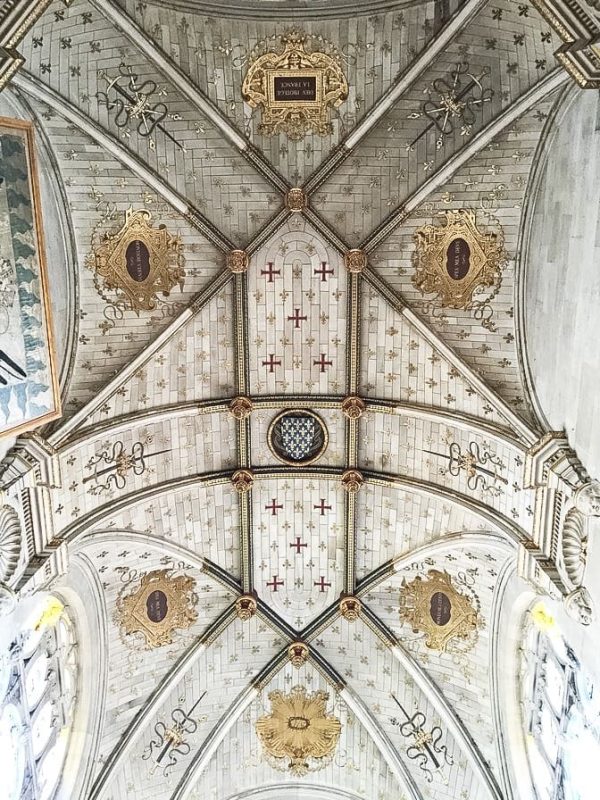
{"x": 301, "y": 544}
{"x": 304, "y": 288}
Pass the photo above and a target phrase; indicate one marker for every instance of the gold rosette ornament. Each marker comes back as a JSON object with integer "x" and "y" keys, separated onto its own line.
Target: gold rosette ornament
{"x": 298, "y": 735}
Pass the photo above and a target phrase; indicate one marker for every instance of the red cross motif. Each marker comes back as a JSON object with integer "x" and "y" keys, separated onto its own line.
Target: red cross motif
{"x": 296, "y": 318}
{"x": 321, "y": 584}
{"x": 322, "y": 362}
{"x": 322, "y": 507}
{"x": 275, "y": 583}
{"x": 271, "y": 363}
{"x": 298, "y": 544}
{"x": 323, "y": 272}
{"x": 270, "y": 272}
{"x": 273, "y": 507}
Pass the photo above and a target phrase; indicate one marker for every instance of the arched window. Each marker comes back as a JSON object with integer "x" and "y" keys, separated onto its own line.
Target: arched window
{"x": 561, "y": 714}
{"x": 38, "y": 680}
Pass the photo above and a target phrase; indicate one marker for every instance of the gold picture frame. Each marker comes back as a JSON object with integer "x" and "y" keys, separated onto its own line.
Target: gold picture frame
{"x": 29, "y": 387}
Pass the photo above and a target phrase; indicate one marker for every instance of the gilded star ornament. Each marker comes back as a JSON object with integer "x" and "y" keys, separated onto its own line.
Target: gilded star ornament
{"x": 298, "y": 735}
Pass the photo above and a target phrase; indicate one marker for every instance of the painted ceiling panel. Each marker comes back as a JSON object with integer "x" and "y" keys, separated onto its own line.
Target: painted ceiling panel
{"x": 491, "y": 63}
{"x": 297, "y": 294}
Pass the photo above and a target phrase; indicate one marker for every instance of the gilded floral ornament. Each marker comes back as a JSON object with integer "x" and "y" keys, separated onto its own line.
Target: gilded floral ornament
{"x": 298, "y": 736}
{"x": 237, "y": 261}
{"x": 460, "y": 263}
{"x": 350, "y": 608}
{"x": 242, "y": 480}
{"x": 355, "y": 260}
{"x": 139, "y": 261}
{"x": 161, "y": 604}
{"x": 353, "y": 407}
{"x": 295, "y": 89}
{"x": 245, "y": 607}
{"x": 240, "y": 407}
{"x": 295, "y": 200}
{"x": 434, "y": 606}
{"x": 352, "y": 480}
{"x": 298, "y": 654}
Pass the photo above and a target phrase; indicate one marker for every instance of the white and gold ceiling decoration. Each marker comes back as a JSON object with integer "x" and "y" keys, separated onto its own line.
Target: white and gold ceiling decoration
{"x": 300, "y": 473}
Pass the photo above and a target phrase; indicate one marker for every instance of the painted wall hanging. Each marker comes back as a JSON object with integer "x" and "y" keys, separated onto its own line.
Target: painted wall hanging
{"x": 161, "y": 604}
{"x": 29, "y": 393}
{"x": 139, "y": 261}
{"x": 298, "y": 736}
{"x": 460, "y": 263}
{"x": 295, "y": 89}
{"x": 434, "y": 606}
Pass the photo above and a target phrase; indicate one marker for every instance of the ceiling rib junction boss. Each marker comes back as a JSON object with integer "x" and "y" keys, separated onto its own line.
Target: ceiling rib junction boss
{"x": 298, "y": 467}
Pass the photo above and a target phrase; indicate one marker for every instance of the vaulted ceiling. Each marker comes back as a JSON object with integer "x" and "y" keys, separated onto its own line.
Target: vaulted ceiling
{"x": 292, "y": 301}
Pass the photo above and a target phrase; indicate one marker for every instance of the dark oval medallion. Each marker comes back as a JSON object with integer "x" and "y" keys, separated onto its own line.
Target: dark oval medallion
{"x": 157, "y": 606}
{"x": 138, "y": 260}
{"x": 440, "y": 608}
{"x": 458, "y": 259}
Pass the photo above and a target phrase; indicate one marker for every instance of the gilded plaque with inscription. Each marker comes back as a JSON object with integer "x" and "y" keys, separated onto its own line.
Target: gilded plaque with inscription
{"x": 139, "y": 261}
{"x": 295, "y": 89}
{"x": 435, "y": 607}
{"x": 458, "y": 261}
{"x": 161, "y": 604}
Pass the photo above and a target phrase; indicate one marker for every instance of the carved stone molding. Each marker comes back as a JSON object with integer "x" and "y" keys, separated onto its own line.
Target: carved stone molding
{"x": 10, "y": 542}
{"x": 237, "y": 261}
{"x": 587, "y": 499}
{"x": 352, "y": 480}
{"x": 240, "y": 407}
{"x": 578, "y": 605}
{"x": 245, "y": 607}
{"x": 574, "y": 545}
{"x": 242, "y": 480}
{"x": 295, "y": 200}
{"x": 353, "y": 407}
{"x": 298, "y": 654}
{"x": 355, "y": 260}
{"x": 350, "y": 608}
{"x": 577, "y": 23}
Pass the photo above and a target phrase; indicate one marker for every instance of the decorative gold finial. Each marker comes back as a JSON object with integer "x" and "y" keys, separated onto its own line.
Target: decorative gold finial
{"x": 240, "y": 407}
{"x": 237, "y": 261}
{"x": 245, "y": 607}
{"x": 298, "y": 654}
{"x": 243, "y": 480}
{"x": 350, "y": 608}
{"x": 353, "y": 407}
{"x": 355, "y": 260}
{"x": 295, "y": 200}
{"x": 352, "y": 480}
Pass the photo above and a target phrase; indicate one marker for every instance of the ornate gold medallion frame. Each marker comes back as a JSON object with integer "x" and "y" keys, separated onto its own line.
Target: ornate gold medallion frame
{"x": 434, "y": 607}
{"x": 295, "y": 89}
{"x": 298, "y": 735}
{"x": 161, "y": 604}
{"x": 139, "y": 261}
{"x": 455, "y": 259}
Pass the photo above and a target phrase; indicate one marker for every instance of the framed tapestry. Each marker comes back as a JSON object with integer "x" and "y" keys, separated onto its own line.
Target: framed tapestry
{"x": 29, "y": 393}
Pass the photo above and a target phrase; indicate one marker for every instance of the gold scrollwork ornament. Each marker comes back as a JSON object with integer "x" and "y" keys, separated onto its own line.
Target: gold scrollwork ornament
{"x": 457, "y": 261}
{"x": 139, "y": 261}
{"x": 161, "y": 604}
{"x": 295, "y": 89}
{"x": 433, "y": 606}
{"x": 298, "y": 735}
